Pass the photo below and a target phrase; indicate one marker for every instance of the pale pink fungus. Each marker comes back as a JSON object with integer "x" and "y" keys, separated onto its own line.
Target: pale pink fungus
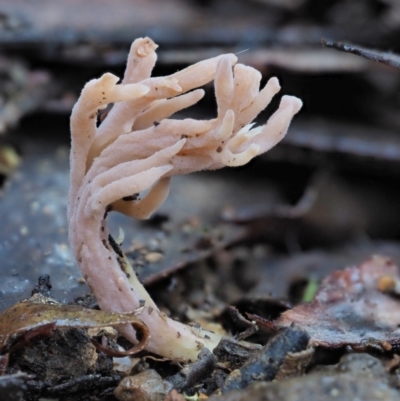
{"x": 138, "y": 147}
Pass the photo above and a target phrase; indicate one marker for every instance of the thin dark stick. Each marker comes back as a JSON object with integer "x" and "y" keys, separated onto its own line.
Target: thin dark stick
{"x": 380, "y": 57}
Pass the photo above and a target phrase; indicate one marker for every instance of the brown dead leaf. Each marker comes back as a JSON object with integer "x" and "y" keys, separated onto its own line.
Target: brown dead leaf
{"x": 350, "y": 310}
{"x": 34, "y": 317}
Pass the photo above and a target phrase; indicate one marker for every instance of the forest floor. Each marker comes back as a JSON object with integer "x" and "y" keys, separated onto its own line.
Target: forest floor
{"x": 296, "y": 253}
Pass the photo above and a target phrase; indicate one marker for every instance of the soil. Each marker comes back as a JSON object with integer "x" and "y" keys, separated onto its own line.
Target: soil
{"x": 293, "y": 257}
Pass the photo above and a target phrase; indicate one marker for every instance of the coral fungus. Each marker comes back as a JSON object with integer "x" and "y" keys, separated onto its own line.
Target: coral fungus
{"x": 138, "y": 147}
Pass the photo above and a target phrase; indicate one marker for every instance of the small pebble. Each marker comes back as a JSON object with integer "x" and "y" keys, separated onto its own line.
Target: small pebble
{"x": 153, "y": 257}
{"x": 145, "y": 386}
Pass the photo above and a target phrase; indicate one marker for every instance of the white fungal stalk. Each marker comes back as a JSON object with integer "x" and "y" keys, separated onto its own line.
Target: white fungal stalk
{"x": 137, "y": 147}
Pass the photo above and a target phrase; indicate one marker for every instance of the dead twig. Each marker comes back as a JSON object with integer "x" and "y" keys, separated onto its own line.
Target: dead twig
{"x": 380, "y": 57}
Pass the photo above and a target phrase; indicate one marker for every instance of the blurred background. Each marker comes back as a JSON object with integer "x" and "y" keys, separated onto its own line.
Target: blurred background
{"x": 326, "y": 197}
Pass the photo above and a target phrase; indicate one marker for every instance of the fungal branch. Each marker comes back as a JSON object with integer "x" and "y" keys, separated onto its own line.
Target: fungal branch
{"x": 138, "y": 147}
